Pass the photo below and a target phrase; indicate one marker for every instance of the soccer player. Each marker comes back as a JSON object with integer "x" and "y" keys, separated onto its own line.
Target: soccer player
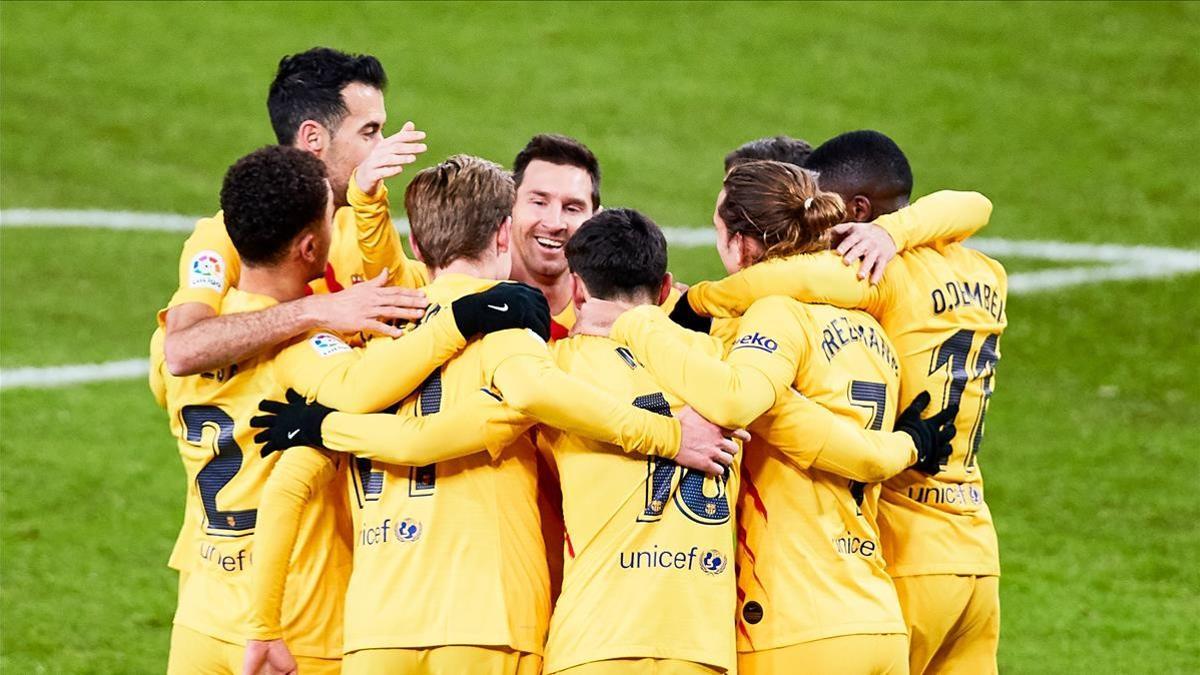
{"x": 330, "y": 104}
{"x": 278, "y": 208}
{"x": 944, "y": 307}
{"x": 449, "y": 566}
{"x": 775, "y": 148}
{"x": 645, "y": 535}
{"x": 558, "y": 188}
{"x": 812, "y": 585}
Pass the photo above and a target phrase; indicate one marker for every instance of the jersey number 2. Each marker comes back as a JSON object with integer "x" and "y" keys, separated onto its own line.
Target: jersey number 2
{"x": 219, "y": 470}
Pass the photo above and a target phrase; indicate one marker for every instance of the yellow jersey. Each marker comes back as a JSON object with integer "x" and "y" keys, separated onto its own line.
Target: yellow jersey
{"x": 363, "y": 243}
{"x": 944, "y": 306}
{"x": 210, "y": 415}
{"x": 452, "y": 552}
{"x": 809, "y": 556}
{"x": 644, "y": 534}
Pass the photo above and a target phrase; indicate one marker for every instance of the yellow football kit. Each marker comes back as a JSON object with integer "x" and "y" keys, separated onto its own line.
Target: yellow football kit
{"x": 944, "y": 307}
{"x": 210, "y": 414}
{"x": 317, "y": 364}
{"x": 644, "y": 535}
{"x": 450, "y": 553}
{"x": 810, "y": 565}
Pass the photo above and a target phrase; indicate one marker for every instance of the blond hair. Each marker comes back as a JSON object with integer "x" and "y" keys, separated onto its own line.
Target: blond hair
{"x": 781, "y": 206}
{"x": 454, "y": 208}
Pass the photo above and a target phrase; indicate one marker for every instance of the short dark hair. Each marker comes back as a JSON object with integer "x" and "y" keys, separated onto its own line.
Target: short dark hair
{"x": 562, "y": 150}
{"x": 619, "y": 253}
{"x": 269, "y": 197}
{"x": 776, "y": 148}
{"x": 308, "y": 86}
{"x": 454, "y": 208}
{"x": 862, "y": 162}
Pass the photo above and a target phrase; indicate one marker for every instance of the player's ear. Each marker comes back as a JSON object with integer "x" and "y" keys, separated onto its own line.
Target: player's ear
{"x": 412, "y": 241}
{"x": 307, "y": 246}
{"x": 750, "y": 249}
{"x": 579, "y": 292}
{"x": 502, "y": 234}
{"x": 313, "y": 137}
{"x": 858, "y": 209}
{"x": 668, "y": 282}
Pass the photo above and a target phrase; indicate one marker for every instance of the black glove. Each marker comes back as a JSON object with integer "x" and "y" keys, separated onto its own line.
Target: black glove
{"x": 685, "y": 316}
{"x": 503, "y": 306}
{"x": 931, "y": 436}
{"x": 289, "y": 424}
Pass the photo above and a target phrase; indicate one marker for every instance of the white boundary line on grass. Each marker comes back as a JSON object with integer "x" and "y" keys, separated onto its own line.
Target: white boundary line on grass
{"x": 1110, "y": 262}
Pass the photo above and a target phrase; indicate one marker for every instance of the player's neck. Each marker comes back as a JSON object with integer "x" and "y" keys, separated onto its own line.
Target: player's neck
{"x": 279, "y": 282}
{"x": 479, "y": 269}
{"x": 557, "y": 289}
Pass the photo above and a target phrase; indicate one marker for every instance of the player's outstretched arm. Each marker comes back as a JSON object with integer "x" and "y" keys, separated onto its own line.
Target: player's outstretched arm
{"x": 296, "y": 477}
{"x": 529, "y": 381}
{"x": 731, "y": 393}
{"x": 198, "y": 340}
{"x": 324, "y": 369}
{"x": 807, "y": 277}
{"x": 477, "y": 422}
{"x": 940, "y": 218}
{"x": 811, "y": 435}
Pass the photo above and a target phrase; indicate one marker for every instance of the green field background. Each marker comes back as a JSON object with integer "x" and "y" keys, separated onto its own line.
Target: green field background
{"x": 1078, "y": 120}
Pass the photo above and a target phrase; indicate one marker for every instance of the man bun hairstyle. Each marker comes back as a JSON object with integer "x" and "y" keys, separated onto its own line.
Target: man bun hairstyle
{"x": 454, "y": 208}
{"x": 619, "y": 253}
{"x": 776, "y": 148}
{"x": 780, "y": 205}
{"x": 308, "y": 86}
{"x": 269, "y": 197}
{"x": 561, "y": 150}
{"x": 863, "y": 162}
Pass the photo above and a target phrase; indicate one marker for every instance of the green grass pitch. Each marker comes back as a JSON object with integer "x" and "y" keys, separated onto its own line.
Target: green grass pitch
{"x": 1077, "y": 120}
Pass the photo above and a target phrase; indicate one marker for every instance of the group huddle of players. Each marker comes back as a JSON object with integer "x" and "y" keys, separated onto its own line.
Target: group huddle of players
{"x": 529, "y": 450}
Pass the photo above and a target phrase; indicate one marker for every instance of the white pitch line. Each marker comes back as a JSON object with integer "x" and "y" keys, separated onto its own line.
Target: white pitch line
{"x": 1118, "y": 262}
{"x": 58, "y": 376}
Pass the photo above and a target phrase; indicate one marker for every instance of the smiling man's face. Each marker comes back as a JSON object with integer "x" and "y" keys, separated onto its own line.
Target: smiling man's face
{"x": 553, "y": 200}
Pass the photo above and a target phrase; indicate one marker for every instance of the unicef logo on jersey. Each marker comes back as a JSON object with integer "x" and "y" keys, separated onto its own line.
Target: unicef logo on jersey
{"x": 408, "y": 530}
{"x": 713, "y": 562}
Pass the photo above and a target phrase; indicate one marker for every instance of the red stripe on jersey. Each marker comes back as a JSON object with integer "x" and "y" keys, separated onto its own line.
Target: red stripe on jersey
{"x": 331, "y": 279}
{"x": 752, "y": 491}
{"x": 558, "y": 331}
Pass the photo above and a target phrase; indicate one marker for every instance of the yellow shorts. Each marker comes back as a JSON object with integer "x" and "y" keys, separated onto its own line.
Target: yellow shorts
{"x": 448, "y": 660}
{"x": 641, "y": 667}
{"x": 194, "y": 653}
{"x": 953, "y": 623}
{"x": 857, "y": 654}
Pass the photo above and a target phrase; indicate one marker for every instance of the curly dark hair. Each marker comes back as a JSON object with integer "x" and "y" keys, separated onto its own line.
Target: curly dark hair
{"x": 308, "y": 86}
{"x": 269, "y": 197}
{"x": 619, "y": 253}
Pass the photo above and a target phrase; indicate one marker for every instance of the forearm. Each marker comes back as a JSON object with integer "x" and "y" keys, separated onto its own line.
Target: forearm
{"x": 378, "y": 241}
{"x": 293, "y": 481}
{"x": 941, "y": 217}
{"x": 471, "y": 425}
{"x": 534, "y": 386}
{"x": 809, "y": 277}
{"x": 387, "y": 370}
{"x": 220, "y": 341}
{"x": 728, "y": 395}
{"x": 813, "y": 436}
